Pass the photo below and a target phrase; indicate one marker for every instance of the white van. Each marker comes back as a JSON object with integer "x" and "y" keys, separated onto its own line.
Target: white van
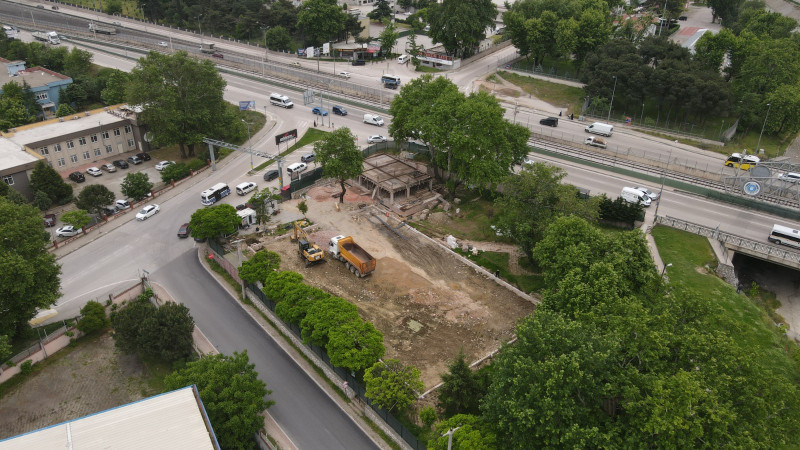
{"x": 373, "y": 120}
{"x": 632, "y": 195}
{"x": 296, "y": 167}
{"x": 403, "y": 58}
{"x": 603, "y": 129}
{"x": 244, "y": 188}
{"x": 280, "y": 100}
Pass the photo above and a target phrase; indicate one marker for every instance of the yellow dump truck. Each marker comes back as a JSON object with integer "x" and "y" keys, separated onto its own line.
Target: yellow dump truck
{"x": 356, "y": 259}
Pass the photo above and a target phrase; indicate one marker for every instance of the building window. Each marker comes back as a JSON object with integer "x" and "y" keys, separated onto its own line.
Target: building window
{"x": 97, "y": 152}
{"x": 82, "y": 141}
{"x": 117, "y": 132}
{"x": 127, "y": 128}
{"x": 109, "y": 149}
{"x": 93, "y": 138}
{"x": 41, "y": 96}
{"x": 44, "y": 151}
{"x": 131, "y": 144}
{"x": 9, "y": 180}
{"x": 57, "y": 147}
{"x": 73, "y": 158}
{"x": 61, "y": 162}
{"x": 105, "y": 134}
{"x": 70, "y": 144}
{"x": 86, "y": 155}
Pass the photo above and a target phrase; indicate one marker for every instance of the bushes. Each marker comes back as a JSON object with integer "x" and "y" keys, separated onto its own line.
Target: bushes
{"x": 175, "y": 172}
{"x": 620, "y": 211}
{"x": 196, "y": 164}
{"x": 94, "y": 317}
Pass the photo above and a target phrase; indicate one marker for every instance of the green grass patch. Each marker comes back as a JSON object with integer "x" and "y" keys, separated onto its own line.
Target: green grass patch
{"x": 498, "y": 261}
{"x": 569, "y": 98}
{"x": 310, "y": 136}
{"x": 745, "y": 322}
{"x": 473, "y": 222}
{"x": 157, "y": 370}
{"x": 427, "y": 69}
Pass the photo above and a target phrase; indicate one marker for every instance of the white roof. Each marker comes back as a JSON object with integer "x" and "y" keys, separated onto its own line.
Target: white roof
{"x": 245, "y": 212}
{"x": 174, "y": 420}
{"x": 53, "y": 128}
{"x": 13, "y": 155}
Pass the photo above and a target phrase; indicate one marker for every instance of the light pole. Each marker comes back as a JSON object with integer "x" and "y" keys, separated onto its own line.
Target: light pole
{"x": 144, "y": 19}
{"x": 200, "y": 27}
{"x": 250, "y": 144}
{"x": 449, "y": 435}
{"x": 762, "y": 127}
{"x": 612, "y": 99}
{"x": 665, "y": 269}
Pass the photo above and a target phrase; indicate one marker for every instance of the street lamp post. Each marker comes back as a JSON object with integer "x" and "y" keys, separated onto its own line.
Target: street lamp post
{"x": 250, "y": 144}
{"x": 200, "y": 27}
{"x": 612, "y": 99}
{"x": 144, "y": 19}
{"x": 758, "y": 146}
{"x": 665, "y": 269}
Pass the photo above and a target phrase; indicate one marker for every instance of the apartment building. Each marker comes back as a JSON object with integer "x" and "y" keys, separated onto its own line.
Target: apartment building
{"x": 44, "y": 83}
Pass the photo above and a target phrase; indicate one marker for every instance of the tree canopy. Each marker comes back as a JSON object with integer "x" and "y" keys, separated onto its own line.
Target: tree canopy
{"x": 94, "y": 197}
{"x": 339, "y": 157}
{"x": 320, "y": 21}
{"x": 44, "y": 178}
{"x": 136, "y": 185}
{"x": 213, "y": 222}
{"x": 460, "y": 25}
{"x": 260, "y": 266}
{"x": 392, "y": 385}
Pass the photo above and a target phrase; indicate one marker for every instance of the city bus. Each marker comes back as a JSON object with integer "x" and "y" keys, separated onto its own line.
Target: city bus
{"x": 391, "y": 79}
{"x": 785, "y": 235}
{"x": 216, "y": 192}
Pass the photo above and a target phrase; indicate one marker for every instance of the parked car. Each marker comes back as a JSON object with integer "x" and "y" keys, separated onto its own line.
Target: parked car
{"x": 40, "y": 6}
{"x": 527, "y": 162}
{"x": 134, "y": 160}
{"x": 359, "y": 62}
{"x": 243, "y": 206}
{"x": 109, "y": 210}
{"x": 122, "y": 204}
{"x": 108, "y": 168}
{"x": 294, "y": 64}
{"x": 94, "y": 171}
{"x": 271, "y": 175}
{"x": 682, "y": 18}
{"x": 791, "y": 177}
{"x": 116, "y": 23}
{"x": 163, "y": 165}
{"x": 308, "y": 157}
{"x": 218, "y": 55}
{"x": 54, "y": 8}
{"x": 296, "y": 167}
{"x": 144, "y": 156}
{"x": 319, "y": 111}
{"x": 121, "y": 164}
{"x": 345, "y": 75}
{"x": 77, "y": 177}
{"x": 339, "y": 111}
{"x": 549, "y": 121}
{"x": 376, "y": 138}
{"x": 653, "y": 195}
{"x": 246, "y": 187}
{"x": 147, "y": 212}
{"x": 49, "y": 220}
{"x": 67, "y": 231}
{"x": 162, "y": 44}
{"x": 184, "y": 230}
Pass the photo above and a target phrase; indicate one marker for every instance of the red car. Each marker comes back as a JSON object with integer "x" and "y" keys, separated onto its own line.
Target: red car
{"x": 217, "y": 55}
{"x": 50, "y": 220}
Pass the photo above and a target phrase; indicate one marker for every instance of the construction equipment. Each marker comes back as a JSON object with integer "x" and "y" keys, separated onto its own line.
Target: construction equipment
{"x": 309, "y": 251}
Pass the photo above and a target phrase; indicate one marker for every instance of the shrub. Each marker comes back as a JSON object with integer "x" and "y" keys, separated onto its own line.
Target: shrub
{"x": 428, "y": 416}
{"x": 196, "y": 164}
{"x": 94, "y": 317}
{"x": 175, "y": 172}
{"x": 26, "y": 367}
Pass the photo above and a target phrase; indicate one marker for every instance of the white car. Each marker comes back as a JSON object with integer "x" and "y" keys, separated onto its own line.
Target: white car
{"x": 94, "y": 171}
{"x": 147, "y": 211}
{"x": 344, "y": 74}
{"x": 527, "y": 162}
{"x": 163, "y": 165}
{"x": 162, "y": 44}
{"x": 791, "y": 177}
{"x": 244, "y": 188}
{"x": 653, "y": 195}
{"x": 376, "y": 138}
{"x": 67, "y": 231}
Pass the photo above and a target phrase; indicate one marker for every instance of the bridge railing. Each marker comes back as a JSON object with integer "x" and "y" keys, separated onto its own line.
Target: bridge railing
{"x": 758, "y": 248}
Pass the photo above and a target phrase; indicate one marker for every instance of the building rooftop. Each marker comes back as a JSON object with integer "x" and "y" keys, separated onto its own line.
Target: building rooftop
{"x": 174, "y": 420}
{"x": 54, "y": 128}
{"x": 14, "y": 155}
{"x": 35, "y": 76}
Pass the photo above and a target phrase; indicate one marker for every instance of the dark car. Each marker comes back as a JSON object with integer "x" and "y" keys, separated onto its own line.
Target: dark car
{"x": 271, "y": 175}
{"x": 54, "y": 7}
{"x": 121, "y": 164}
{"x": 308, "y": 157}
{"x": 682, "y": 18}
{"x": 549, "y": 121}
{"x": 50, "y": 220}
{"x": 134, "y": 160}
{"x": 359, "y": 62}
{"x": 184, "y": 230}
{"x": 77, "y": 177}
{"x": 218, "y": 55}
{"x": 144, "y": 156}
{"x": 339, "y": 111}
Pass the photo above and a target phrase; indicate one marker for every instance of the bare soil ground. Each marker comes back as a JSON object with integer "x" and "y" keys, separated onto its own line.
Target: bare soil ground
{"x": 422, "y": 297}
{"x": 90, "y": 378}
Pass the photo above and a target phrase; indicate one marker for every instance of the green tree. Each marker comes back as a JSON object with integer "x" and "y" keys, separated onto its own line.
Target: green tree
{"x": 114, "y": 91}
{"x": 78, "y": 63}
{"x": 427, "y": 416}
{"x": 113, "y": 7}
{"x": 166, "y": 334}
{"x": 13, "y": 113}
{"x": 339, "y": 157}
{"x": 183, "y": 98}
{"x": 64, "y": 110}
{"x": 44, "y": 178}
{"x": 391, "y": 385}
{"x": 232, "y": 395}
{"x": 136, "y": 185}
{"x": 213, "y": 222}
{"x": 302, "y": 207}
{"x": 263, "y": 202}
{"x": 4, "y": 189}
{"x": 460, "y": 392}
{"x": 30, "y": 279}
{"x": 352, "y": 27}
{"x": 460, "y": 25}
{"x": 5, "y": 348}
{"x": 78, "y": 218}
{"x": 469, "y": 433}
{"x": 320, "y": 21}
{"x": 594, "y": 30}
{"x": 388, "y": 37}
{"x": 278, "y": 39}
{"x": 355, "y": 345}
{"x": 41, "y": 200}
{"x": 414, "y": 49}
{"x": 128, "y": 320}
{"x": 325, "y": 315}
{"x": 94, "y": 198}
{"x": 93, "y": 317}
{"x": 260, "y": 266}
{"x": 381, "y": 11}
{"x": 175, "y": 172}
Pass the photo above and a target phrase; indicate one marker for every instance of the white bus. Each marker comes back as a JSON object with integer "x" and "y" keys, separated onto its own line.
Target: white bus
{"x": 390, "y": 79}
{"x": 785, "y": 235}
{"x": 216, "y": 192}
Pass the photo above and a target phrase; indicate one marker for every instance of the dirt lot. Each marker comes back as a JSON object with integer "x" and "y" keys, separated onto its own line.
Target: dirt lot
{"x": 90, "y": 378}
{"x": 424, "y": 299}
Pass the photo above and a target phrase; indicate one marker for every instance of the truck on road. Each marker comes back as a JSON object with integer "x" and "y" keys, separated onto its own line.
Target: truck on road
{"x": 207, "y": 47}
{"x": 355, "y": 258}
{"x": 51, "y": 37}
{"x": 102, "y": 29}
{"x": 595, "y": 142}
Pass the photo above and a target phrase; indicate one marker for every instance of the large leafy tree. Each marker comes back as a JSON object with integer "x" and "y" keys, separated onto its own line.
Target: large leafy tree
{"x": 340, "y": 157}
{"x": 325, "y": 315}
{"x": 78, "y": 218}
{"x": 136, "y": 185}
{"x": 44, "y": 178}
{"x": 392, "y": 385}
{"x": 260, "y": 266}
{"x": 232, "y": 395}
{"x": 94, "y": 197}
{"x": 355, "y": 345}
{"x": 30, "y": 274}
{"x": 182, "y": 99}
{"x": 213, "y": 222}
{"x": 388, "y": 37}
{"x": 116, "y": 84}
{"x": 460, "y": 25}
{"x": 381, "y": 11}
{"x": 460, "y": 392}
{"x": 468, "y": 433}
{"x": 167, "y": 333}
{"x": 277, "y": 38}
{"x": 320, "y": 21}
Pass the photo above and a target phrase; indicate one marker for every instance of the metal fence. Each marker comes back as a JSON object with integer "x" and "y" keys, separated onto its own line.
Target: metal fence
{"x": 545, "y": 71}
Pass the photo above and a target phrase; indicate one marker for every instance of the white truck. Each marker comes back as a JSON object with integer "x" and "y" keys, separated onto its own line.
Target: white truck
{"x": 207, "y": 47}
{"x": 635, "y": 196}
{"x": 102, "y": 29}
{"x": 373, "y": 120}
{"x": 595, "y": 142}
{"x": 248, "y": 217}
{"x": 603, "y": 129}
{"x": 50, "y": 37}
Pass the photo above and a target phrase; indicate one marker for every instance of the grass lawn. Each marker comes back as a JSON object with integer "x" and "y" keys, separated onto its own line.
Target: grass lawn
{"x": 560, "y": 95}
{"x": 311, "y": 135}
{"x": 749, "y": 325}
{"x": 494, "y": 261}
{"x": 472, "y": 222}
{"x": 427, "y": 69}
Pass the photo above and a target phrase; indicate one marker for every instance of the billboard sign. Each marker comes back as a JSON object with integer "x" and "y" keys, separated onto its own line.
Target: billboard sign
{"x": 247, "y": 104}
{"x": 291, "y": 134}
